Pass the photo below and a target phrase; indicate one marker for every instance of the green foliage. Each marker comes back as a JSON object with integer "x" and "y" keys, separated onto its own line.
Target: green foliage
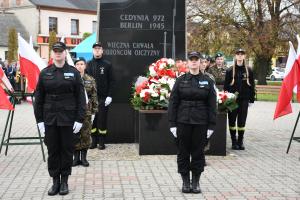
{"x": 86, "y": 35}
{"x": 12, "y": 45}
{"x": 52, "y": 40}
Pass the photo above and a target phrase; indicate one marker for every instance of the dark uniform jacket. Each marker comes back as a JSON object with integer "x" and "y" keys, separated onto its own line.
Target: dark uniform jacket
{"x": 193, "y": 101}
{"x": 59, "y": 96}
{"x": 101, "y": 70}
{"x": 246, "y": 92}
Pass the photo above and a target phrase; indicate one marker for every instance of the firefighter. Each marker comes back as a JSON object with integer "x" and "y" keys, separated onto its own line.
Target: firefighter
{"x": 59, "y": 110}
{"x": 192, "y": 117}
{"x": 239, "y": 78}
{"x": 101, "y": 70}
{"x": 84, "y": 141}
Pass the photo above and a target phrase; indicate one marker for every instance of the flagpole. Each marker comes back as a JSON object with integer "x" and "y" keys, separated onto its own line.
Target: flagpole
{"x": 292, "y": 136}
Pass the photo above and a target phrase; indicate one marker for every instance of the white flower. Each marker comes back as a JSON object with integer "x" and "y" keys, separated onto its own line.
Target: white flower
{"x": 152, "y": 86}
{"x": 154, "y": 94}
{"x": 162, "y": 98}
{"x": 152, "y": 71}
{"x": 220, "y": 101}
{"x": 163, "y": 80}
{"x": 162, "y": 66}
{"x": 171, "y": 82}
{"x": 164, "y": 91}
{"x": 171, "y": 61}
{"x": 142, "y": 94}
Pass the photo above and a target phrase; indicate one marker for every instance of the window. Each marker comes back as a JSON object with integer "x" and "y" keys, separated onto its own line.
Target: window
{"x": 94, "y": 26}
{"x": 74, "y": 27}
{"x": 53, "y": 24}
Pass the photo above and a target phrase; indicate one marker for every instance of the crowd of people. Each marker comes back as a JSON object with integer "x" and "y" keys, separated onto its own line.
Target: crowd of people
{"x": 71, "y": 107}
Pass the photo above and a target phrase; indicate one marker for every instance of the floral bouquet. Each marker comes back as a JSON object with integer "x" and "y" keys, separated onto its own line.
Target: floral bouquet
{"x": 153, "y": 91}
{"x": 226, "y": 101}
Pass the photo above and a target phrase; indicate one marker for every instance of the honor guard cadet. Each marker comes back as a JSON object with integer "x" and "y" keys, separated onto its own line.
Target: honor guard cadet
{"x": 59, "y": 110}
{"x": 101, "y": 70}
{"x": 84, "y": 139}
{"x": 239, "y": 78}
{"x": 218, "y": 70}
{"x": 192, "y": 118}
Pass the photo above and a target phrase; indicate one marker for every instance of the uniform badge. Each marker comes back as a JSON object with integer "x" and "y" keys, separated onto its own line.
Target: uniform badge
{"x": 203, "y": 83}
{"x": 101, "y": 70}
{"x": 68, "y": 75}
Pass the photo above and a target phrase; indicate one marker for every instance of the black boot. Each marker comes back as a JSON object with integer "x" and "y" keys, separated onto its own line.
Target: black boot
{"x": 101, "y": 142}
{"x": 84, "y": 162}
{"x": 76, "y": 160}
{"x": 195, "y": 183}
{"x": 94, "y": 142}
{"x": 240, "y": 142}
{"x": 55, "y": 187}
{"x": 233, "y": 140}
{"x": 64, "y": 189}
{"x": 186, "y": 184}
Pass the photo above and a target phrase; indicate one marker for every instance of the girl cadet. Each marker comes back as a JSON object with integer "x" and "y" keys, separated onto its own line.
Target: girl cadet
{"x": 192, "y": 117}
{"x": 239, "y": 78}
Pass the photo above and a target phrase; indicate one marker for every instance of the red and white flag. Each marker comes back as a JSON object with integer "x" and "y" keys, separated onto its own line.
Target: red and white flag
{"x": 290, "y": 81}
{"x": 4, "y": 102}
{"x": 5, "y": 81}
{"x": 30, "y": 63}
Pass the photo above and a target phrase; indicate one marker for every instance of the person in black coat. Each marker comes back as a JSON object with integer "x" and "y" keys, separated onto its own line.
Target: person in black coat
{"x": 239, "y": 78}
{"x": 101, "y": 70}
{"x": 59, "y": 109}
{"x": 192, "y": 118}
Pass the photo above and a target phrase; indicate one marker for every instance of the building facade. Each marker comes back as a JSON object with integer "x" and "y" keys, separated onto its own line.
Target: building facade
{"x": 70, "y": 19}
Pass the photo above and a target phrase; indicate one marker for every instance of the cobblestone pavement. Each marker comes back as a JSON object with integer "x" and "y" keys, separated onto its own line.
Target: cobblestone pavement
{"x": 263, "y": 171}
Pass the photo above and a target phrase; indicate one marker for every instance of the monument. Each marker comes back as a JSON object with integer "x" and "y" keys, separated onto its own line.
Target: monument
{"x": 134, "y": 34}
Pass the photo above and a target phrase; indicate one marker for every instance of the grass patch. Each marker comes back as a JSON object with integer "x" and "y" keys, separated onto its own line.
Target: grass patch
{"x": 267, "y": 97}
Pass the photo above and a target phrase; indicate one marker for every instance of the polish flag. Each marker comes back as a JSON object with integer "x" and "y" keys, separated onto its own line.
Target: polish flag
{"x": 4, "y": 80}
{"x": 30, "y": 63}
{"x": 4, "y": 102}
{"x": 290, "y": 81}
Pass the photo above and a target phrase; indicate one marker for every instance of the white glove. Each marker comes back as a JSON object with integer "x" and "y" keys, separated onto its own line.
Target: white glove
{"x": 250, "y": 104}
{"x": 173, "y": 131}
{"x": 41, "y": 126}
{"x": 108, "y": 101}
{"x": 92, "y": 118}
{"x": 77, "y": 126}
{"x": 209, "y": 133}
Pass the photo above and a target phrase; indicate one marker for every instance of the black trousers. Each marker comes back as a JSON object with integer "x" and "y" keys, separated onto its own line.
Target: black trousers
{"x": 239, "y": 114}
{"x": 191, "y": 143}
{"x": 100, "y": 121}
{"x": 60, "y": 143}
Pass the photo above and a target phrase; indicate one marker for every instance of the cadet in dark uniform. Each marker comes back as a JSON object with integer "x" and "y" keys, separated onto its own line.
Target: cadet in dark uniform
{"x": 81, "y": 147}
{"x": 192, "y": 117}
{"x": 59, "y": 110}
{"x": 239, "y": 78}
{"x": 101, "y": 70}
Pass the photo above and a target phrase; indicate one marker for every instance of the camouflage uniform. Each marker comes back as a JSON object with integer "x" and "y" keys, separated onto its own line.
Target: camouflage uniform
{"x": 85, "y": 138}
{"x": 218, "y": 74}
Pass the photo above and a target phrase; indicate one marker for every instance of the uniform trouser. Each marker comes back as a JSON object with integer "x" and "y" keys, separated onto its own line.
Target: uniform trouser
{"x": 60, "y": 143}
{"x": 100, "y": 121}
{"x": 83, "y": 138}
{"x": 191, "y": 143}
{"x": 239, "y": 114}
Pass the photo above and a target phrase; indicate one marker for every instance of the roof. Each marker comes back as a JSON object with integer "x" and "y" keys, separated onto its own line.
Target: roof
{"x": 90, "y": 5}
{"x": 7, "y": 21}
